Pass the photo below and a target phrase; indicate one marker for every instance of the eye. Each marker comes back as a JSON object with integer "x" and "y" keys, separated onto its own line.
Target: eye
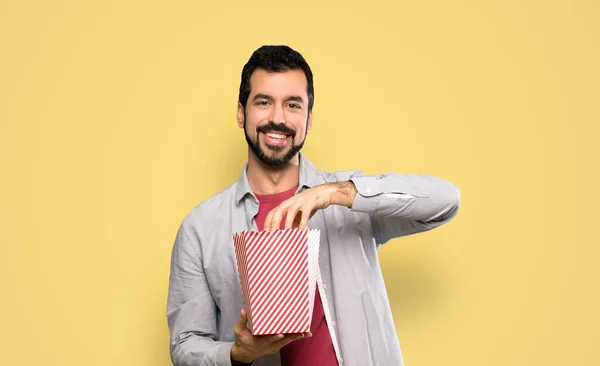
{"x": 294, "y": 105}
{"x": 262, "y": 102}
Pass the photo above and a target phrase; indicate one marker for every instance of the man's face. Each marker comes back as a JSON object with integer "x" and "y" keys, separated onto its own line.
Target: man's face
{"x": 276, "y": 118}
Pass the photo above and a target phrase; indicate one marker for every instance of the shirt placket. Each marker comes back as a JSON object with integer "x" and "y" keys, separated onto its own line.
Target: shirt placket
{"x": 328, "y": 318}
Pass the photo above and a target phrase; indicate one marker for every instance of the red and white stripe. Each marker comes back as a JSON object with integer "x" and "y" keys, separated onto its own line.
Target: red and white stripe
{"x": 278, "y": 271}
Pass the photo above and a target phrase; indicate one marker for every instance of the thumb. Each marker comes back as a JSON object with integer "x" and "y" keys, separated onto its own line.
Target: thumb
{"x": 243, "y": 319}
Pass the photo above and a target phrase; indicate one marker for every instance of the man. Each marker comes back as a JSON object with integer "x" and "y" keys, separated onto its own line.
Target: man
{"x": 279, "y": 188}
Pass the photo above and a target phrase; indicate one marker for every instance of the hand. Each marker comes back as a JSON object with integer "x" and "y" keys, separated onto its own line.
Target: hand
{"x": 248, "y": 347}
{"x": 301, "y": 207}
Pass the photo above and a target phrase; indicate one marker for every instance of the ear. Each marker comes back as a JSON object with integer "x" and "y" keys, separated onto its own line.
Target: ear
{"x": 309, "y": 121}
{"x": 240, "y": 115}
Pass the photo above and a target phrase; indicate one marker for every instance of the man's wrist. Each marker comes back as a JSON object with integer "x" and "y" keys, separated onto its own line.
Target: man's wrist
{"x": 236, "y": 359}
{"x": 344, "y": 194}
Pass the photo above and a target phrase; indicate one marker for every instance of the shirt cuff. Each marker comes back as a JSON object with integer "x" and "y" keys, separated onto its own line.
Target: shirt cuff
{"x": 224, "y": 354}
{"x": 366, "y": 187}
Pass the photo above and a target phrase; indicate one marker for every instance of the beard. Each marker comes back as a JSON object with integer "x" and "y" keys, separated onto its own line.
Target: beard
{"x": 267, "y": 155}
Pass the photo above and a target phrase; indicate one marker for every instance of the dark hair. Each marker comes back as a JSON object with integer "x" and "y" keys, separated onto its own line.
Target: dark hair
{"x": 275, "y": 59}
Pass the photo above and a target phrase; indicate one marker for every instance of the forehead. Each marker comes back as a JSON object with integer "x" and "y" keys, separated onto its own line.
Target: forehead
{"x": 278, "y": 83}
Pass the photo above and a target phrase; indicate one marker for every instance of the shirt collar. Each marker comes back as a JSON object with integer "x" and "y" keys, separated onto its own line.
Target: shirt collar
{"x": 309, "y": 177}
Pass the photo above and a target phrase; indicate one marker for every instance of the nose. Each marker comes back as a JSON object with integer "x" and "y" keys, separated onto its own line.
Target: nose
{"x": 277, "y": 116}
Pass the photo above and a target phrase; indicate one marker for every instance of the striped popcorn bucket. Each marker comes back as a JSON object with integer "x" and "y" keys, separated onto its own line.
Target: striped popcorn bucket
{"x": 278, "y": 274}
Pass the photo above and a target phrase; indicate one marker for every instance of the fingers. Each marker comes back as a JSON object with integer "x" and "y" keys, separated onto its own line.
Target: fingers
{"x": 291, "y": 214}
{"x": 267, "y": 224}
{"x": 260, "y": 345}
{"x": 304, "y": 219}
{"x": 283, "y": 210}
{"x": 298, "y": 209}
{"x": 273, "y": 219}
{"x": 296, "y": 223}
{"x": 249, "y": 347}
{"x": 291, "y": 210}
{"x": 291, "y": 338}
{"x": 266, "y": 340}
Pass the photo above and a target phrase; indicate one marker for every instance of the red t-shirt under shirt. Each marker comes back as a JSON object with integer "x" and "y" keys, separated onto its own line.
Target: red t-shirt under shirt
{"x": 318, "y": 349}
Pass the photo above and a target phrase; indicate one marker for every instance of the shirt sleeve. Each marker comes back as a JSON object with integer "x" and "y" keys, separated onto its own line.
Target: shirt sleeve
{"x": 191, "y": 309}
{"x": 401, "y": 205}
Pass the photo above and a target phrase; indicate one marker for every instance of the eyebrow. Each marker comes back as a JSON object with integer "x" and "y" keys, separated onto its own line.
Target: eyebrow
{"x": 293, "y": 98}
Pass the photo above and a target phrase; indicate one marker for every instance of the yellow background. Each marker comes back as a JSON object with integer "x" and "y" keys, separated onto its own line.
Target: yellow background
{"x": 118, "y": 117}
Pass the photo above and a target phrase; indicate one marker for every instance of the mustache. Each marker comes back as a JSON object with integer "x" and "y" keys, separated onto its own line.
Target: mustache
{"x": 272, "y": 127}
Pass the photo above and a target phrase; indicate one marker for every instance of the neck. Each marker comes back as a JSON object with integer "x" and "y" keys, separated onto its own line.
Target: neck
{"x": 264, "y": 179}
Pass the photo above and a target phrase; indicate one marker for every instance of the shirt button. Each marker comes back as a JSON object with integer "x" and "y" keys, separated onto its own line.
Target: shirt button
{"x": 368, "y": 190}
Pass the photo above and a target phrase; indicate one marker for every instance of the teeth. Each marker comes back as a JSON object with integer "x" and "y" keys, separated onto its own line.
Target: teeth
{"x": 275, "y": 135}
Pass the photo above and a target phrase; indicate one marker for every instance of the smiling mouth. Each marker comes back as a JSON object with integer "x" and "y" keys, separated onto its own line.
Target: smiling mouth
{"x": 276, "y": 135}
